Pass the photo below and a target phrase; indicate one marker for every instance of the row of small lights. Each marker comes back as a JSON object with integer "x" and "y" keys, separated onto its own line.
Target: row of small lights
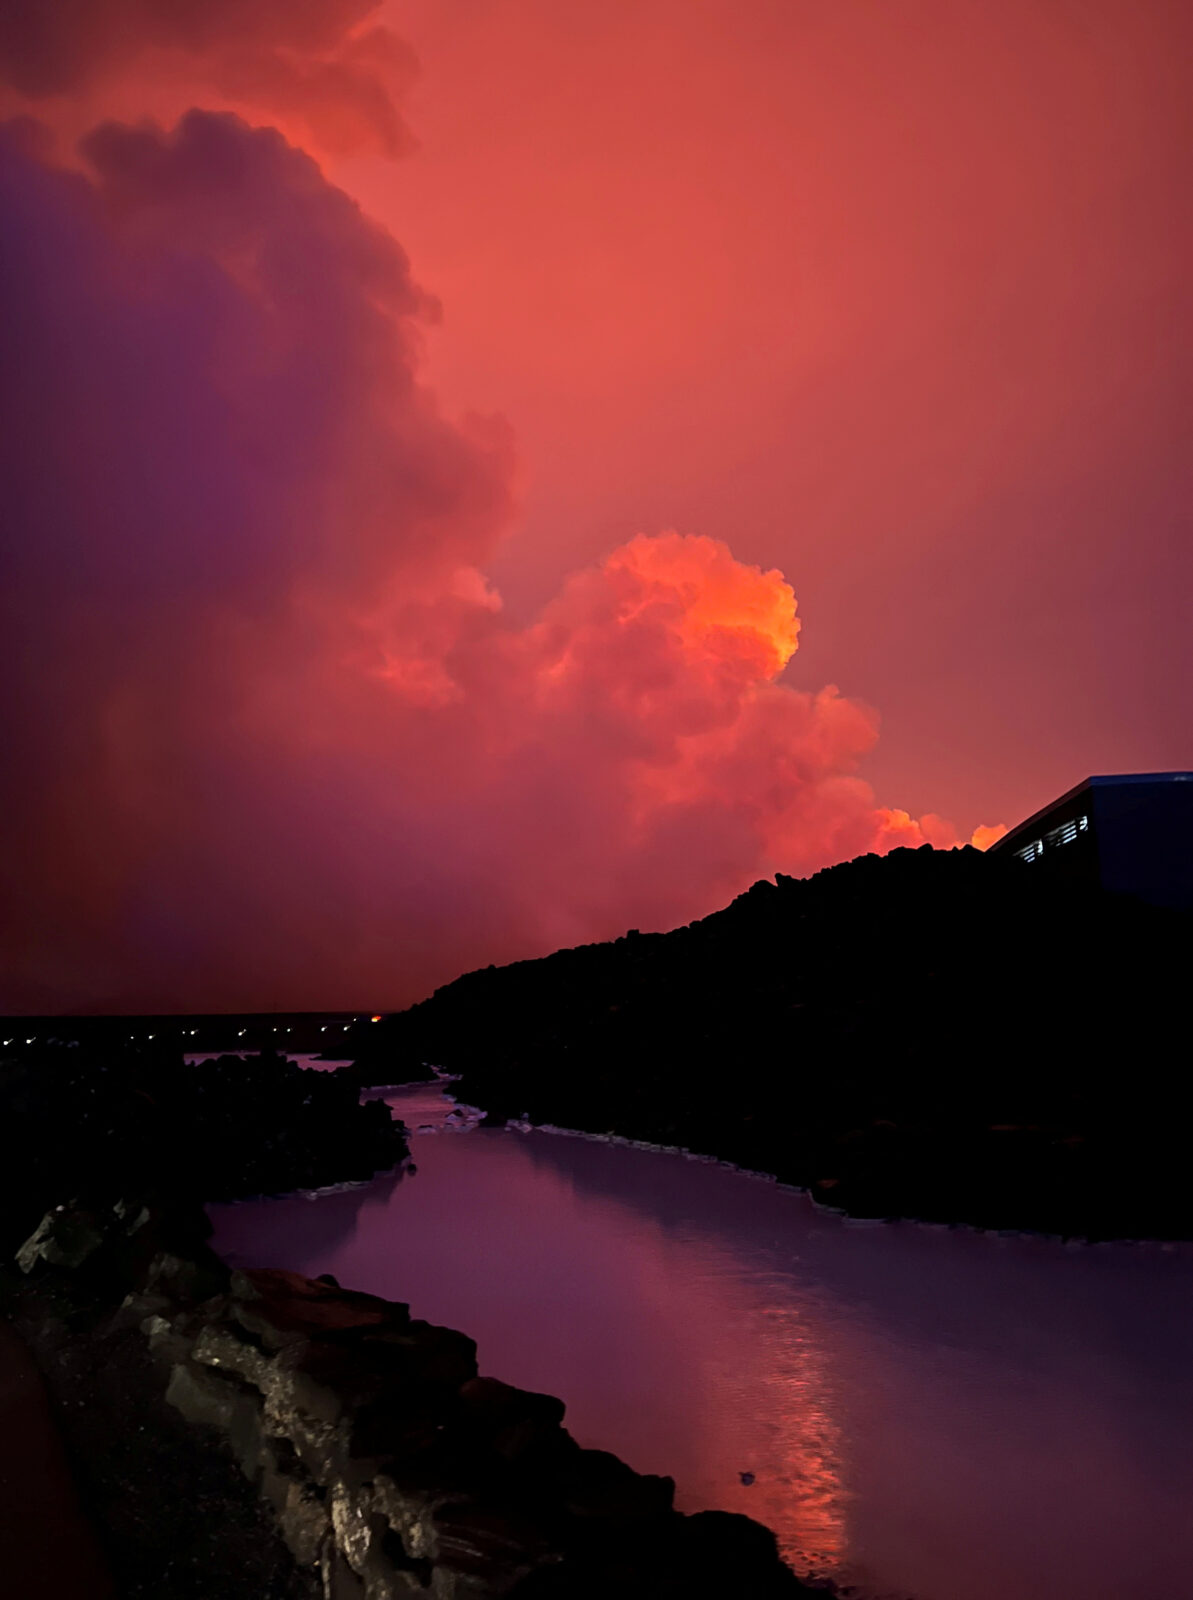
{"x": 194, "y": 1031}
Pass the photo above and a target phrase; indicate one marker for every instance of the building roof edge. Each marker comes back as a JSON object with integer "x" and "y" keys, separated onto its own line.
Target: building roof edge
{"x": 1103, "y": 780}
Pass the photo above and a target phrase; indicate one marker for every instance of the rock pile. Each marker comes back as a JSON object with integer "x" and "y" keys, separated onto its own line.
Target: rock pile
{"x": 393, "y": 1468}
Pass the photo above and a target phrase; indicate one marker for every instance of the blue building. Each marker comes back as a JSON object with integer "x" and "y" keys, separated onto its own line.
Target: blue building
{"x": 1131, "y": 832}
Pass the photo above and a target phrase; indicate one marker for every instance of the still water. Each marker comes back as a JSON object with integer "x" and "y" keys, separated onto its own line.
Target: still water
{"x": 926, "y": 1412}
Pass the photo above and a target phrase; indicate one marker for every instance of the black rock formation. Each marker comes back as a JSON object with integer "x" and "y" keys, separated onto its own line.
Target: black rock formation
{"x": 95, "y": 1125}
{"x": 942, "y": 1035}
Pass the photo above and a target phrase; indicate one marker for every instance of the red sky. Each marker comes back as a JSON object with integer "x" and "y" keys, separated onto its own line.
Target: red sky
{"x": 895, "y": 298}
{"x": 885, "y": 304}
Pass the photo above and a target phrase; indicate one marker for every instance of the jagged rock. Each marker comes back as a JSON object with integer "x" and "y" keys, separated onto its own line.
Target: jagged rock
{"x": 301, "y": 1510}
{"x": 409, "y": 1512}
{"x": 219, "y": 1345}
{"x": 65, "y": 1237}
{"x": 186, "y": 1280}
{"x": 283, "y": 1307}
{"x": 489, "y": 1404}
{"x": 522, "y": 1427}
{"x": 215, "y": 1403}
{"x": 599, "y": 1486}
{"x": 339, "y": 1580}
{"x": 353, "y": 1527}
{"x": 490, "y": 1546}
{"x": 723, "y": 1545}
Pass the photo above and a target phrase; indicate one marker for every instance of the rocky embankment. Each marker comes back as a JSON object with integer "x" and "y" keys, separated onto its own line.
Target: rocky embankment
{"x": 388, "y": 1465}
{"x": 118, "y": 1144}
{"x": 940, "y": 1035}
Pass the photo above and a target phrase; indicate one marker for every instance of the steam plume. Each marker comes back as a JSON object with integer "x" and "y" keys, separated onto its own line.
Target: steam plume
{"x": 276, "y": 741}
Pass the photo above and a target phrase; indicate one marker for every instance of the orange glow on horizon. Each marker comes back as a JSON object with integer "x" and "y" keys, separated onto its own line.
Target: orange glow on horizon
{"x": 984, "y": 836}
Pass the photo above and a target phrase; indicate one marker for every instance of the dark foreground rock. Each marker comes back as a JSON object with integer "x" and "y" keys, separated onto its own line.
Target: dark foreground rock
{"x": 372, "y": 1460}
{"x": 39, "y": 1502}
{"x": 941, "y": 1035}
{"x": 96, "y": 1124}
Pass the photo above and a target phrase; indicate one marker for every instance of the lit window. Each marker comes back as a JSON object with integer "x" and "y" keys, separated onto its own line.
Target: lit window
{"x": 1065, "y": 834}
{"x": 1031, "y": 852}
{"x": 1083, "y": 824}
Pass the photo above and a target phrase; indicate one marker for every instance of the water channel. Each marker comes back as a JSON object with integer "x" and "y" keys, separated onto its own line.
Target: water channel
{"x": 926, "y": 1412}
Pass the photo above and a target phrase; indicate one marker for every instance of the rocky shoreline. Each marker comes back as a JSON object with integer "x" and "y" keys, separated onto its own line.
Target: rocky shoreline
{"x": 378, "y": 1462}
{"x": 261, "y": 1434}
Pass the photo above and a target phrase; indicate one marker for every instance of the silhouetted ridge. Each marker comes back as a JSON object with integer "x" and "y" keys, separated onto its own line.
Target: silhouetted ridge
{"x": 939, "y": 1034}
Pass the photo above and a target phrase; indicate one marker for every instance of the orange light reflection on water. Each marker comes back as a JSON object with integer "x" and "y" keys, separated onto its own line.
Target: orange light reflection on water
{"x": 760, "y": 1356}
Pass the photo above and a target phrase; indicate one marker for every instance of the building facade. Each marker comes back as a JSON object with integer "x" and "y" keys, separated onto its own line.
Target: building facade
{"x": 1129, "y": 832}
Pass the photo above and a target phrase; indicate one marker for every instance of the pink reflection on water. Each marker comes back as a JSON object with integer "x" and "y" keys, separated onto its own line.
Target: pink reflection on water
{"x": 925, "y": 1412}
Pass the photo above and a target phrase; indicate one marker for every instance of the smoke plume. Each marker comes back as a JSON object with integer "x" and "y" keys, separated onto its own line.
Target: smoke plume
{"x": 275, "y": 742}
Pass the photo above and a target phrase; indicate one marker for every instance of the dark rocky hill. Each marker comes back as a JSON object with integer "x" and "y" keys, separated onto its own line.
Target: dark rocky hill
{"x": 96, "y": 1123}
{"x": 935, "y": 1034}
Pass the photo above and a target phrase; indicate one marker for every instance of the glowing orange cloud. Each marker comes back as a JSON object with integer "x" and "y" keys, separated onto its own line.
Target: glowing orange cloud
{"x": 281, "y": 737}
{"x": 984, "y": 836}
{"x": 899, "y": 828}
{"x": 721, "y": 607}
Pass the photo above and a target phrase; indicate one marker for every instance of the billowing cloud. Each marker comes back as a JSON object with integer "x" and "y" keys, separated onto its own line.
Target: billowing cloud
{"x": 326, "y": 65}
{"x": 985, "y": 835}
{"x": 277, "y": 742}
